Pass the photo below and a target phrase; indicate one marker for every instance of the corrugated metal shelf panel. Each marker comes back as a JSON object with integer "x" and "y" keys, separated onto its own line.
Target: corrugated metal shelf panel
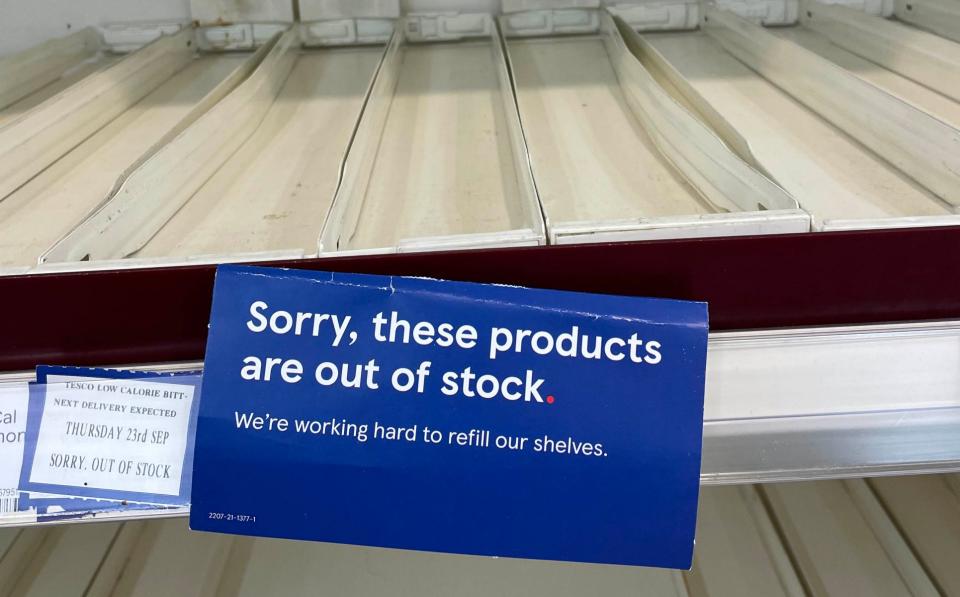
{"x": 438, "y": 158}
{"x": 429, "y": 146}
{"x": 813, "y": 538}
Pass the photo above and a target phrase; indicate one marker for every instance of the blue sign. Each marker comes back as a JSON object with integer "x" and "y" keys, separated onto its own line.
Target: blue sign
{"x": 454, "y": 417}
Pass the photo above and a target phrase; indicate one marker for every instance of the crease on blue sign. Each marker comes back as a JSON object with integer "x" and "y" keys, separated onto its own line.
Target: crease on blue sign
{"x": 336, "y": 279}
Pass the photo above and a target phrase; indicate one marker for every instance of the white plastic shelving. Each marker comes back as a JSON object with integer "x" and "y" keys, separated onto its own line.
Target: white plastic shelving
{"x": 819, "y": 403}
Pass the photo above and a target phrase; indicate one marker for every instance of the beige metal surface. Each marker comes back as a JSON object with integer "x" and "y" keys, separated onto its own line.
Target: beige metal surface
{"x": 820, "y": 538}
{"x": 51, "y": 204}
{"x": 274, "y": 192}
{"x": 444, "y": 164}
{"x": 928, "y": 100}
{"x": 892, "y": 129}
{"x": 167, "y": 560}
{"x": 37, "y": 138}
{"x": 924, "y": 57}
{"x": 73, "y": 75}
{"x": 837, "y": 548}
{"x": 26, "y": 72}
{"x": 66, "y": 561}
{"x": 592, "y": 159}
{"x": 738, "y": 550}
{"x": 830, "y": 174}
{"x": 927, "y": 512}
{"x": 939, "y": 16}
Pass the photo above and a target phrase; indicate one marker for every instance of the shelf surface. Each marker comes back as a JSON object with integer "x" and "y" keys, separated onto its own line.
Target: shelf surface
{"x": 592, "y": 159}
{"x": 922, "y": 97}
{"x": 70, "y": 76}
{"x": 789, "y": 540}
{"x": 435, "y": 156}
{"x": 41, "y": 211}
{"x": 444, "y": 164}
{"x": 838, "y": 545}
{"x": 274, "y": 193}
{"x": 829, "y": 173}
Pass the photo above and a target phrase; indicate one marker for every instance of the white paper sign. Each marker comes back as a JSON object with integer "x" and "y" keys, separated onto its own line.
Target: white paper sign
{"x": 118, "y": 435}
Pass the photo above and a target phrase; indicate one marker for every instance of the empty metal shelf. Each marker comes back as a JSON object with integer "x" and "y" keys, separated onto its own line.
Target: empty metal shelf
{"x": 47, "y": 207}
{"x": 275, "y": 191}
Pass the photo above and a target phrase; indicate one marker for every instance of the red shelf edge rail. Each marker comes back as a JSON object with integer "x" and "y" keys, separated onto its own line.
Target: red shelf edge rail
{"x": 158, "y": 315}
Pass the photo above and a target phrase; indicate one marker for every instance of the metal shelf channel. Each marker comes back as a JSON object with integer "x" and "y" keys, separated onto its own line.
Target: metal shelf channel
{"x": 832, "y": 402}
{"x": 797, "y": 404}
